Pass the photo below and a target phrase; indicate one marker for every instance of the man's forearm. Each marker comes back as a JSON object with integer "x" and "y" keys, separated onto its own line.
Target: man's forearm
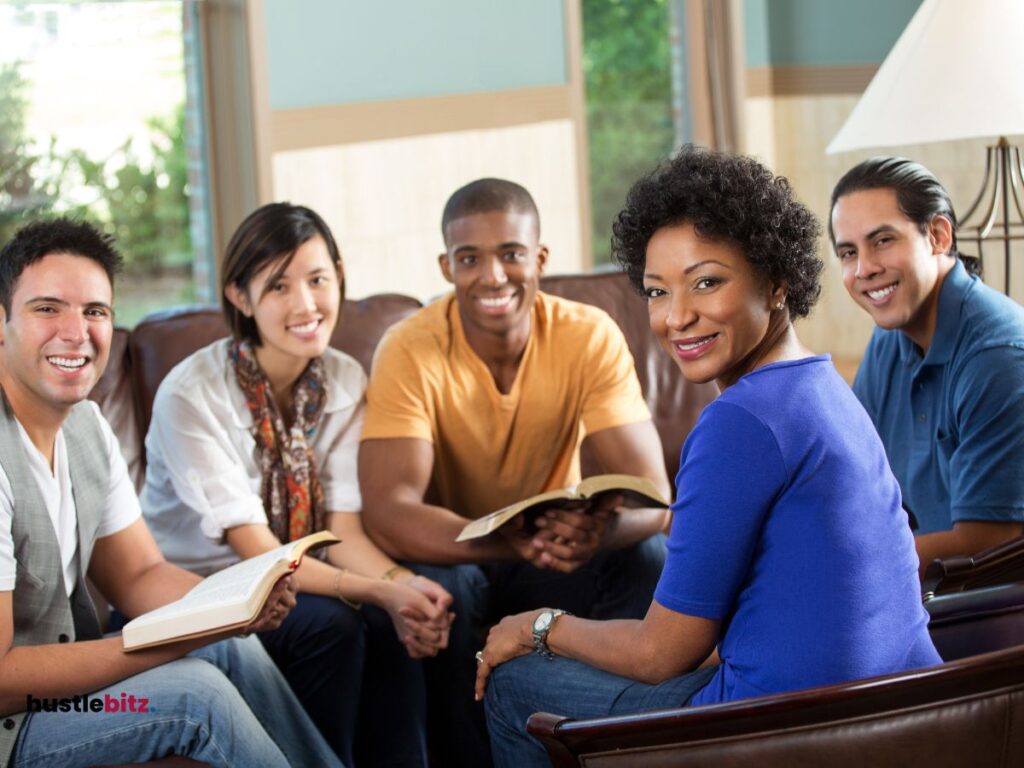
{"x": 424, "y": 533}
{"x": 65, "y": 670}
{"x": 966, "y": 538}
{"x": 69, "y": 669}
{"x": 157, "y": 585}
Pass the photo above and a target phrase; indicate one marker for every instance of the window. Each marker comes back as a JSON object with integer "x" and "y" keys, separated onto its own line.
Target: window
{"x": 94, "y": 112}
{"x": 628, "y": 73}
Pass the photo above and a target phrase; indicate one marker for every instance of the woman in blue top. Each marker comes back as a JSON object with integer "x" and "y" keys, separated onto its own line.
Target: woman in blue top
{"x": 789, "y": 551}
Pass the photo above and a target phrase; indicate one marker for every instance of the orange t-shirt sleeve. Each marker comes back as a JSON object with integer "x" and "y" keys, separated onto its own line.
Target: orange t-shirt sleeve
{"x": 613, "y": 398}
{"x": 397, "y": 398}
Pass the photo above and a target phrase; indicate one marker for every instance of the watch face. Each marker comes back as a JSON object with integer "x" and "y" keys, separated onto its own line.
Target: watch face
{"x": 542, "y": 621}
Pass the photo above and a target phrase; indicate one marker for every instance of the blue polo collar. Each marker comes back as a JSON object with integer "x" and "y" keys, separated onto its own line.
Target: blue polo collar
{"x": 954, "y": 288}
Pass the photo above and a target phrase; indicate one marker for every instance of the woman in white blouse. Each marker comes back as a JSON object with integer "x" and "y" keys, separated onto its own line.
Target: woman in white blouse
{"x": 253, "y": 442}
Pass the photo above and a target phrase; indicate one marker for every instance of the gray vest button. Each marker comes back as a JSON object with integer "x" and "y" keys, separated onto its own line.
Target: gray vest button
{"x": 8, "y": 724}
{"x": 63, "y": 638}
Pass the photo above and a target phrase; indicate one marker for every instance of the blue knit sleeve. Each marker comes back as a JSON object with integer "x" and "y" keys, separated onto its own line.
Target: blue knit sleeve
{"x": 732, "y": 471}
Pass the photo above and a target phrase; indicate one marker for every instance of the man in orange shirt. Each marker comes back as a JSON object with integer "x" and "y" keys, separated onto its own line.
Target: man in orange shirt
{"x": 480, "y": 400}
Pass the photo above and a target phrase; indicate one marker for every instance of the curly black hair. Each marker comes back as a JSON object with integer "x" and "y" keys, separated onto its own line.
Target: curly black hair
{"x": 727, "y": 198}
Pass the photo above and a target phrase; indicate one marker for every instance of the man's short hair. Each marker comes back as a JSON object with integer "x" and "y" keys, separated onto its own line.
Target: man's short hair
{"x": 485, "y": 196}
{"x": 53, "y": 236}
{"x": 920, "y": 196}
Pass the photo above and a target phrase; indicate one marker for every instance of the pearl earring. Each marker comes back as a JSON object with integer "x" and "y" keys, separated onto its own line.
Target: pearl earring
{"x": 780, "y": 305}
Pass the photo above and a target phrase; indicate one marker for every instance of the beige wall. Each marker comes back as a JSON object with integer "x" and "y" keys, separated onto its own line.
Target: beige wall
{"x": 383, "y": 199}
{"x": 380, "y": 172}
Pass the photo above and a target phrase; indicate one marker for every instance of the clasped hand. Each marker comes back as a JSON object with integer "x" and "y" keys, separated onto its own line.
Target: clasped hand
{"x": 562, "y": 538}
{"x": 419, "y": 610}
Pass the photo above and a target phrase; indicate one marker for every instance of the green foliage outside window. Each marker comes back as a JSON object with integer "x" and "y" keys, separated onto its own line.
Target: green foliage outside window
{"x": 144, "y": 204}
{"x": 23, "y": 192}
{"x": 627, "y": 70}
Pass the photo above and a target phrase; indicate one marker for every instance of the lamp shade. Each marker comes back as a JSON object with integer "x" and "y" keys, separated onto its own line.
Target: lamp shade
{"x": 956, "y": 72}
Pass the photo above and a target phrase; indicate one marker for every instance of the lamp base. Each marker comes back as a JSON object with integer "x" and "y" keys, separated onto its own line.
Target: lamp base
{"x": 995, "y": 220}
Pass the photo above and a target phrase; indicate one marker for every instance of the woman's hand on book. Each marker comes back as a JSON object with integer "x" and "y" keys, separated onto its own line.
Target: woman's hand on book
{"x": 278, "y": 605}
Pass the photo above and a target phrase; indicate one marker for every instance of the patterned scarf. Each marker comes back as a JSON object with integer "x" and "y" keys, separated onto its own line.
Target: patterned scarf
{"x": 292, "y": 495}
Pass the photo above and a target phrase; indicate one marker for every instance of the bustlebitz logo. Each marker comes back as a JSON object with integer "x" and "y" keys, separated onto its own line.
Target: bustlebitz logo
{"x": 126, "y": 702}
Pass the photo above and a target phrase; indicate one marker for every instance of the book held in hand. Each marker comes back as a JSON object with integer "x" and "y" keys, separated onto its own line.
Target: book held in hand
{"x": 636, "y": 492}
{"x": 228, "y": 599}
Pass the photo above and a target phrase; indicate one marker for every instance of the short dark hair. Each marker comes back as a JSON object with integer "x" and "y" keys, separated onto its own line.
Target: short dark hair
{"x": 727, "y": 198}
{"x": 486, "y": 195}
{"x": 270, "y": 233}
{"x": 51, "y": 236}
{"x": 920, "y": 196}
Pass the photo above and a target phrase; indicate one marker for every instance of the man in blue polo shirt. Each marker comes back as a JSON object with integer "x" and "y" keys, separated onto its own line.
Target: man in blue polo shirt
{"x": 943, "y": 375}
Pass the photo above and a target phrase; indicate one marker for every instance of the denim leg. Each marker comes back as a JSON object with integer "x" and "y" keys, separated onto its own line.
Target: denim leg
{"x": 194, "y": 711}
{"x": 614, "y": 584}
{"x": 320, "y": 650}
{"x": 562, "y": 686}
{"x": 264, "y": 689}
{"x": 457, "y": 730}
{"x": 392, "y": 729}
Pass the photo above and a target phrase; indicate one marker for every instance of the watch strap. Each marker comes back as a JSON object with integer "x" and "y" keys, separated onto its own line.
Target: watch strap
{"x": 540, "y": 638}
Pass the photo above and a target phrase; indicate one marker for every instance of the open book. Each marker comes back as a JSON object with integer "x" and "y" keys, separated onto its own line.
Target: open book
{"x": 228, "y": 599}
{"x": 636, "y": 492}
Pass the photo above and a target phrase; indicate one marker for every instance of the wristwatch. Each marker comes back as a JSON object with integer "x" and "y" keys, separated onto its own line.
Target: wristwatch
{"x": 541, "y": 627}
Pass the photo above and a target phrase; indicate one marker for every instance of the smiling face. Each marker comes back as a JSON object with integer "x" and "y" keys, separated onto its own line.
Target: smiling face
{"x": 495, "y": 263}
{"x": 57, "y": 338}
{"x": 707, "y": 307}
{"x": 890, "y": 268}
{"x": 295, "y": 312}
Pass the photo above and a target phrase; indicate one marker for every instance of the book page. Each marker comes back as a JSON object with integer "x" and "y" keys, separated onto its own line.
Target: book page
{"x": 489, "y": 523}
{"x": 229, "y": 598}
{"x": 637, "y": 491}
{"x": 237, "y": 580}
{"x": 230, "y": 586}
{"x": 640, "y": 487}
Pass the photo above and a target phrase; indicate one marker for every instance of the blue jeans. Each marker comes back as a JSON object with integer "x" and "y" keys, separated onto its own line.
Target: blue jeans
{"x": 617, "y": 584}
{"x": 225, "y": 705}
{"x": 356, "y": 681}
{"x": 561, "y": 686}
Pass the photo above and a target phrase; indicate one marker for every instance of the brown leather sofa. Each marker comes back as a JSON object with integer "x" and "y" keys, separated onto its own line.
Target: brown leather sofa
{"x": 963, "y": 713}
{"x": 140, "y": 359}
{"x": 968, "y": 711}
{"x": 1001, "y": 564}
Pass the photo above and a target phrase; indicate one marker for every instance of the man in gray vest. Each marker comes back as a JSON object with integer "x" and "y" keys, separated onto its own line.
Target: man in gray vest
{"x": 68, "y": 511}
